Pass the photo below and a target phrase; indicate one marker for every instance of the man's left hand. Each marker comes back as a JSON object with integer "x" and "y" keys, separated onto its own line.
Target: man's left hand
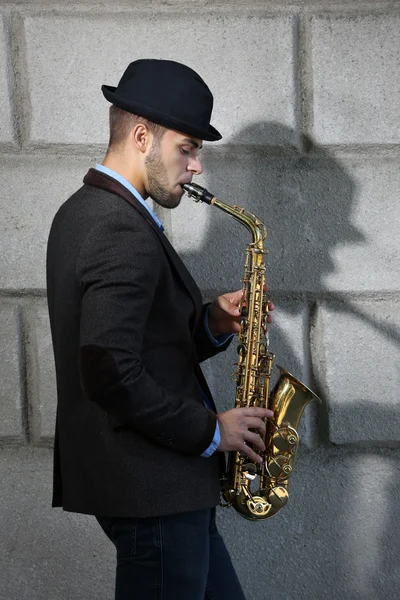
{"x": 224, "y": 313}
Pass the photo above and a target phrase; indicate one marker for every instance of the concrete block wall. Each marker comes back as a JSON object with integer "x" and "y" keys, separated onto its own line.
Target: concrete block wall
{"x": 307, "y": 96}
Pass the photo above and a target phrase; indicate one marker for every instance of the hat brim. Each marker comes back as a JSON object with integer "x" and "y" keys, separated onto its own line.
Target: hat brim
{"x": 209, "y": 135}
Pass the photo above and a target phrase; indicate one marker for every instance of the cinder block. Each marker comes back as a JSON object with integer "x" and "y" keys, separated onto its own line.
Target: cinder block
{"x": 332, "y": 224}
{"x": 94, "y": 50}
{"x": 6, "y": 123}
{"x": 356, "y": 357}
{"x": 355, "y": 64}
{"x": 46, "y": 553}
{"x": 11, "y": 389}
{"x": 32, "y": 191}
{"x": 42, "y": 383}
{"x": 366, "y": 254}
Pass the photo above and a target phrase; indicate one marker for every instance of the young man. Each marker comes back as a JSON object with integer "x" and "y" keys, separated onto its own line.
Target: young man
{"x": 138, "y": 442}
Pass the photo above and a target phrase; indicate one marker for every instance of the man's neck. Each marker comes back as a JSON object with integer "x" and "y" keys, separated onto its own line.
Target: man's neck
{"x": 129, "y": 171}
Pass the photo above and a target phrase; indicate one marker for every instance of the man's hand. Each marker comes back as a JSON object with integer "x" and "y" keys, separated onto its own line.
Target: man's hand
{"x": 224, "y": 313}
{"x": 234, "y": 426}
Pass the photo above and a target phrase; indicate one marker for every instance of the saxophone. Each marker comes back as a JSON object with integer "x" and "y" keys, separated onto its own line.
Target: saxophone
{"x": 258, "y": 491}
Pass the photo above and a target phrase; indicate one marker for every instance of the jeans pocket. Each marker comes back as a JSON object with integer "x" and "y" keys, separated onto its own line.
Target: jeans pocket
{"x": 123, "y": 536}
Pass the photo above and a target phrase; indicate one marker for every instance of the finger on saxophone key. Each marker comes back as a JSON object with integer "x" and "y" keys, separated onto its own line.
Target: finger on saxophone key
{"x": 253, "y": 411}
{"x": 255, "y": 423}
{"x": 247, "y": 451}
{"x": 255, "y": 440}
{"x": 235, "y": 427}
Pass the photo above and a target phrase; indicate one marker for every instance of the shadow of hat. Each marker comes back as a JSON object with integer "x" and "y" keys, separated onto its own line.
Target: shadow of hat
{"x": 167, "y": 93}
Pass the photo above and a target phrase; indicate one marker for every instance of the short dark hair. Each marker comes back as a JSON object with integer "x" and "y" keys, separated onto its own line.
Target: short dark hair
{"x": 122, "y": 122}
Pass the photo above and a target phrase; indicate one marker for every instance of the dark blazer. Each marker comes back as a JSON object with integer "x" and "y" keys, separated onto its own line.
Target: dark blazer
{"x": 128, "y": 335}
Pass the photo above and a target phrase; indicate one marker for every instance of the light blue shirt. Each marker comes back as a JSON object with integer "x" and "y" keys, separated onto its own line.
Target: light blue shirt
{"x": 216, "y": 341}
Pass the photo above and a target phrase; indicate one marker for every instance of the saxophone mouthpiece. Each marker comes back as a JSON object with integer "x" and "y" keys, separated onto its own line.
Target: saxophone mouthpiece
{"x": 198, "y": 193}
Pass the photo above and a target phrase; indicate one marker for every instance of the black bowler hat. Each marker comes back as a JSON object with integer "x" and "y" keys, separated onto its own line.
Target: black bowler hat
{"x": 167, "y": 93}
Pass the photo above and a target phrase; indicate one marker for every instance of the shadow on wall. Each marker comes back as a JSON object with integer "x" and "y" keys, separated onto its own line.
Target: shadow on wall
{"x": 306, "y": 203}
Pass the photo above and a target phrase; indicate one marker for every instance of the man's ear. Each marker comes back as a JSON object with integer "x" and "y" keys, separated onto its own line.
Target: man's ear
{"x": 141, "y": 137}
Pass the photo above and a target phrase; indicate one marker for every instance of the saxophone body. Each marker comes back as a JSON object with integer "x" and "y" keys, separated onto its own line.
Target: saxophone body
{"x": 259, "y": 491}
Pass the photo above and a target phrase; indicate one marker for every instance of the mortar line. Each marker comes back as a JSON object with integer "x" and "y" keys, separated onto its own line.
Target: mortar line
{"x": 10, "y": 145}
{"x": 121, "y": 8}
{"x": 332, "y": 297}
{"x": 23, "y": 373}
{"x": 20, "y": 86}
{"x": 306, "y": 82}
{"x": 93, "y": 152}
{"x": 320, "y": 431}
{"x": 32, "y": 374}
{"x": 353, "y": 11}
{"x": 13, "y": 92}
{"x": 307, "y": 344}
{"x": 164, "y": 11}
{"x": 297, "y": 84}
{"x": 311, "y": 426}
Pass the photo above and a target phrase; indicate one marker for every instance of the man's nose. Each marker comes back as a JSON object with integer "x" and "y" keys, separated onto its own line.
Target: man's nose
{"x": 195, "y": 166}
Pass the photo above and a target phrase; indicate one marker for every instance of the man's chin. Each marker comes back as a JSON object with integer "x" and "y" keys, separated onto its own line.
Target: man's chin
{"x": 175, "y": 198}
{"x": 172, "y": 201}
{"x": 175, "y": 201}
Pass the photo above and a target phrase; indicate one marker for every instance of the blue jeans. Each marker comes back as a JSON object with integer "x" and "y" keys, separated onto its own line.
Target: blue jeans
{"x": 177, "y": 557}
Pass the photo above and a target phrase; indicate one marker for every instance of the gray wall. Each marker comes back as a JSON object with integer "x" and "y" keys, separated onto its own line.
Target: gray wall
{"x": 307, "y": 95}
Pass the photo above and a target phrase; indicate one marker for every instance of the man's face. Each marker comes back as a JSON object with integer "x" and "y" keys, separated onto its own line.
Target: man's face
{"x": 169, "y": 164}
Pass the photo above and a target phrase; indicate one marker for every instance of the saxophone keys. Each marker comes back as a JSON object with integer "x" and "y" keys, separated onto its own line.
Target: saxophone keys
{"x": 249, "y": 471}
{"x": 258, "y": 506}
{"x": 278, "y": 496}
{"x": 287, "y": 469}
{"x": 242, "y": 350}
{"x": 279, "y": 466}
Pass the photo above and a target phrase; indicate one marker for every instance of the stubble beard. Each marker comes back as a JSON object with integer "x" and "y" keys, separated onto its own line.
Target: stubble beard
{"x": 158, "y": 183}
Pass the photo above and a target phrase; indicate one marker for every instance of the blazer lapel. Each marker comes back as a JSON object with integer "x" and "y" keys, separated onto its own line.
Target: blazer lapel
{"x": 103, "y": 181}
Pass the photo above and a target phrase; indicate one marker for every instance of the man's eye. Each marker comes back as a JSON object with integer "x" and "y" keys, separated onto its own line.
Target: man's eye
{"x": 186, "y": 152}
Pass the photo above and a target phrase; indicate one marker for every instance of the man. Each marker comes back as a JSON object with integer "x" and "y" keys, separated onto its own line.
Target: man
{"x": 138, "y": 443}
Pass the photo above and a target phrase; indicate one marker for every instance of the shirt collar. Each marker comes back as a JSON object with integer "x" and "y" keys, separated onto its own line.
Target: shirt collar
{"x": 132, "y": 190}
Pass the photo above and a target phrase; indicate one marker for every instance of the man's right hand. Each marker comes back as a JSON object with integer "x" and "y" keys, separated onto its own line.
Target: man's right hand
{"x": 235, "y": 425}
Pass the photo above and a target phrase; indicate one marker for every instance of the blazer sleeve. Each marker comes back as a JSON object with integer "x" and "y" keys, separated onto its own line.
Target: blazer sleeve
{"x": 118, "y": 271}
{"x": 204, "y": 346}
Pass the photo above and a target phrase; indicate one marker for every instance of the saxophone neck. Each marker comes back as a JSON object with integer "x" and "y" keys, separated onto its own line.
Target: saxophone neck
{"x": 246, "y": 218}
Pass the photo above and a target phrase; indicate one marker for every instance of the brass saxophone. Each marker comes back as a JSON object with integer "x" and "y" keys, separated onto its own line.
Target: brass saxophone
{"x": 258, "y": 491}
